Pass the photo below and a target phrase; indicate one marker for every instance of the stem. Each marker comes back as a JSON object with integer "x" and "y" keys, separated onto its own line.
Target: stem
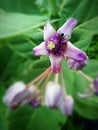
{"x": 85, "y": 76}
{"x": 56, "y": 78}
{"x": 65, "y": 57}
{"x": 62, "y": 5}
{"x": 39, "y": 77}
{"x": 40, "y": 81}
{"x": 47, "y": 79}
{"x": 63, "y": 84}
{"x": 53, "y": 6}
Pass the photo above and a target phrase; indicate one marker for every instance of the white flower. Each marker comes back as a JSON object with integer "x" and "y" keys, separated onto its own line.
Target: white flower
{"x": 67, "y": 106}
{"x": 53, "y": 95}
{"x": 19, "y": 94}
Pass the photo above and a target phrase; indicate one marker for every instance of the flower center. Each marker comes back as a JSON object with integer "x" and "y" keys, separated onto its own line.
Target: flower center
{"x": 51, "y": 45}
{"x": 56, "y": 44}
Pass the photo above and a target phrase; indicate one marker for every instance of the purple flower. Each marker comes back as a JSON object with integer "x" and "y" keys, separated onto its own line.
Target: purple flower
{"x": 35, "y": 102}
{"x": 53, "y": 95}
{"x": 19, "y": 94}
{"x": 95, "y": 84}
{"x": 75, "y": 64}
{"x": 57, "y": 46}
{"x": 67, "y": 106}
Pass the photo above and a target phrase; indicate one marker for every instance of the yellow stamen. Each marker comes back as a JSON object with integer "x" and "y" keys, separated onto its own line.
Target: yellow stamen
{"x": 51, "y": 45}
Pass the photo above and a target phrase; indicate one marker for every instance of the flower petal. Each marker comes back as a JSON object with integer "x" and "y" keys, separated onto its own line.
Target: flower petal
{"x": 40, "y": 50}
{"x": 55, "y": 63}
{"x": 76, "y": 65}
{"x": 48, "y": 31}
{"x": 68, "y": 27}
{"x": 75, "y": 53}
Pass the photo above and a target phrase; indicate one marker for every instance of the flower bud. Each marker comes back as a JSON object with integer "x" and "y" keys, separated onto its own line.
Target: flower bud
{"x": 12, "y": 92}
{"x": 18, "y": 94}
{"x": 53, "y": 95}
{"x": 35, "y": 103}
{"x": 76, "y": 65}
{"x": 95, "y": 85}
{"x": 33, "y": 93}
{"x": 67, "y": 106}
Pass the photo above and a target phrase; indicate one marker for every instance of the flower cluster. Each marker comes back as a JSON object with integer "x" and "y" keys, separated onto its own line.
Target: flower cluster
{"x": 43, "y": 91}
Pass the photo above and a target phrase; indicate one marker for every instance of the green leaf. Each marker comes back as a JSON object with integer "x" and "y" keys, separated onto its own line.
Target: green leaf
{"x": 43, "y": 63}
{"x": 84, "y": 32}
{"x": 86, "y": 107}
{"x": 90, "y": 25}
{"x": 48, "y": 7}
{"x": 3, "y": 109}
{"x": 81, "y": 10}
{"x": 91, "y": 68}
{"x": 68, "y": 78}
{"x": 19, "y": 64}
{"x": 10, "y": 72}
{"x": 5, "y": 55}
{"x": 21, "y": 6}
{"x": 76, "y": 84}
{"x": 83, "y": 13}
{"x": 93, "y": 48}
{"x": 41, "y": 118}
{"x": 23, "y": 48}
{"x": 13, "y": 24}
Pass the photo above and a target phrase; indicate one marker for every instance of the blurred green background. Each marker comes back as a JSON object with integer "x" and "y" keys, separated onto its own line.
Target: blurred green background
{"x": 21, "y": 29}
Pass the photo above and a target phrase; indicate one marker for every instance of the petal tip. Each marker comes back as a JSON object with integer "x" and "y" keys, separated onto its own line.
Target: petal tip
{"x": 68, "y": 26}
{"x": 48, "y": 30}
{"x": 72, "y": 22}
{"x": 82, "y": 56}
{"x": 34, "y": 51}
{"x": 40, "y": 49}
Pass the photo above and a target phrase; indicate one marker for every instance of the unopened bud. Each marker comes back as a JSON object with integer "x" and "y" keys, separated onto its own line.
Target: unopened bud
{"x": 67, "y": 106}
{"x": 19, "y": 94}
{"x": 12, "y": 92}
{"x": 95, "y": 84}
{"x": 53, "y": 95}
{"x": 35, "y": 103}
